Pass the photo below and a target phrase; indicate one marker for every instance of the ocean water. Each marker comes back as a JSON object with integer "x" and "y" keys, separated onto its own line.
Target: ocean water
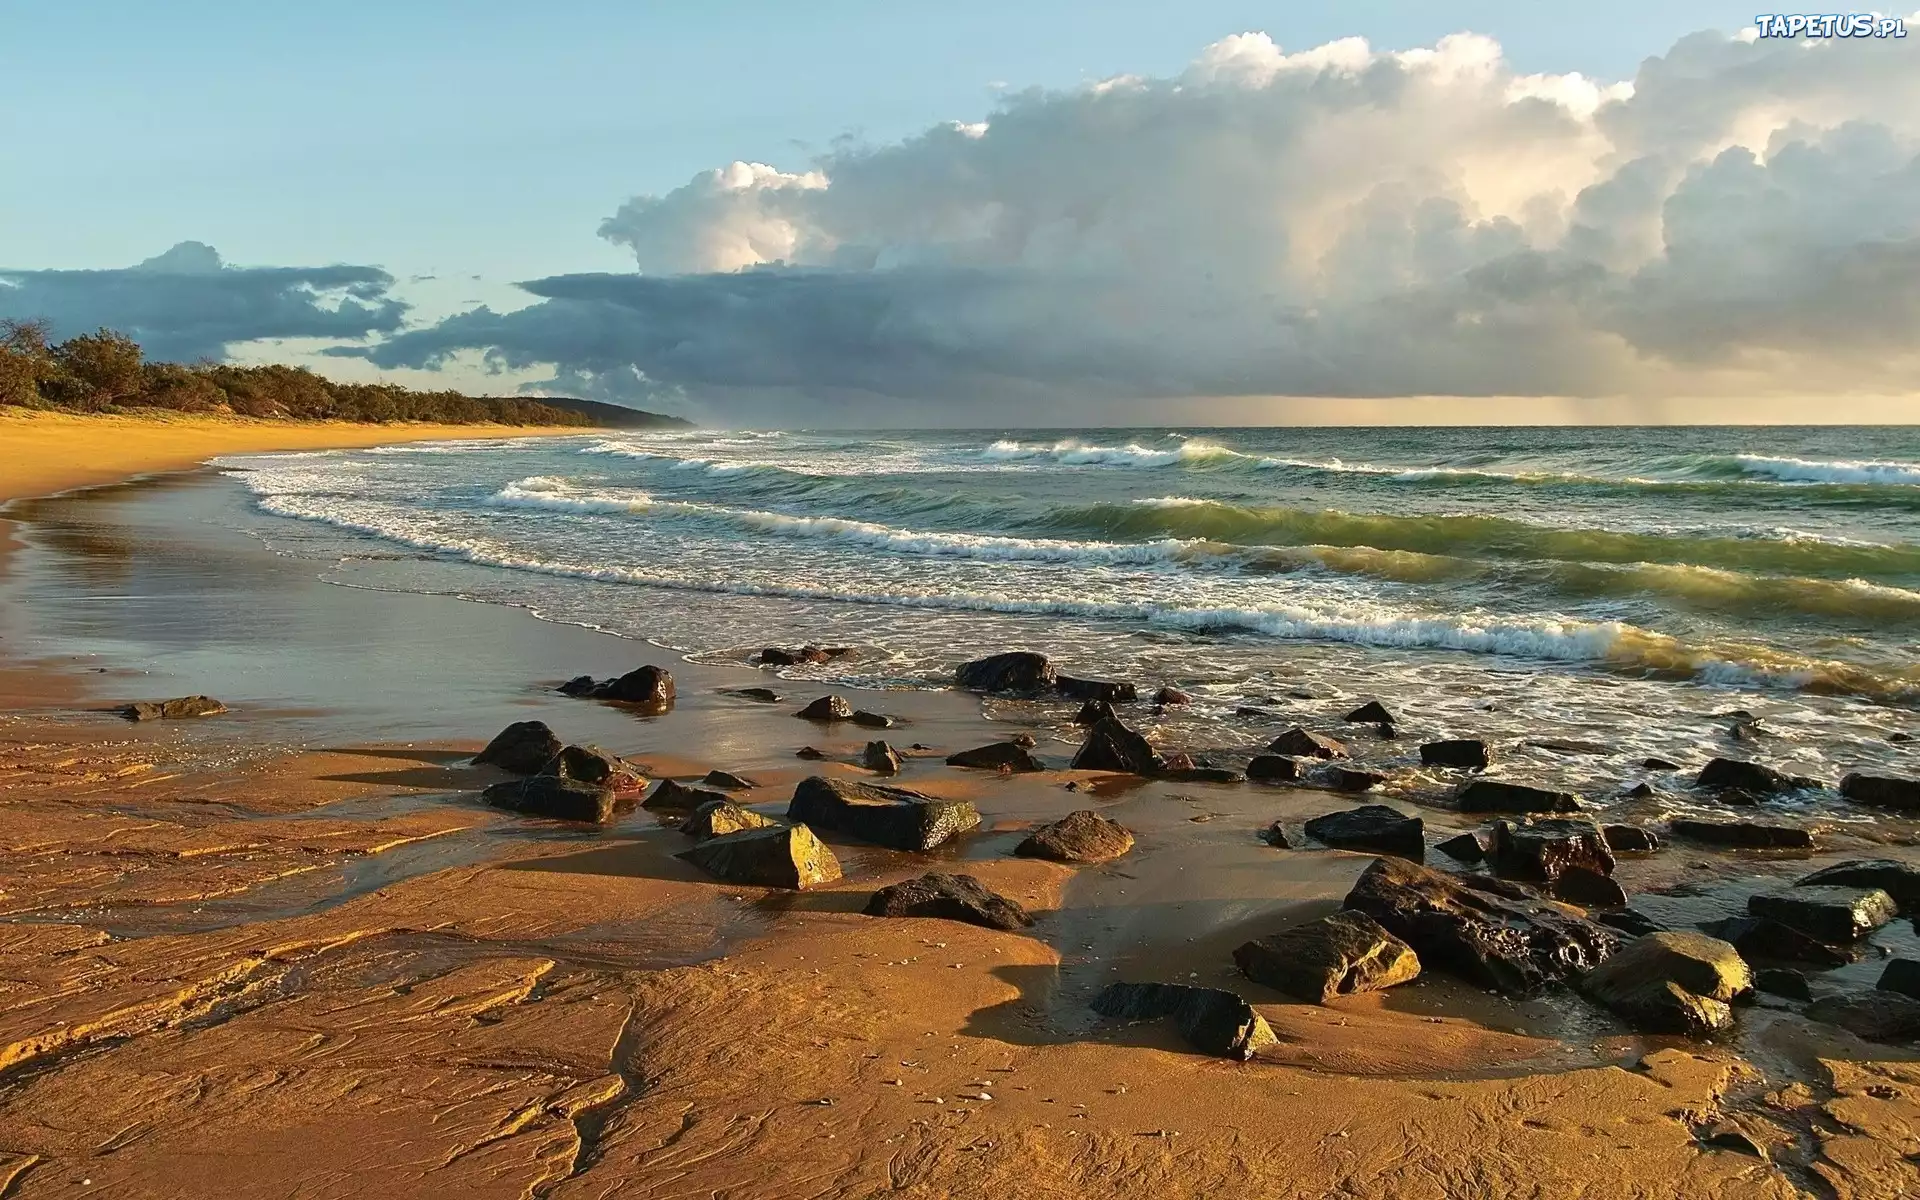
{"x": 1627, "y": 584}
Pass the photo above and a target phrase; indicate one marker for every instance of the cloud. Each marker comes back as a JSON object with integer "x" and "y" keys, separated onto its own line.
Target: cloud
{"x": 186, "y": 304}
{"x": 1342, "y": 221}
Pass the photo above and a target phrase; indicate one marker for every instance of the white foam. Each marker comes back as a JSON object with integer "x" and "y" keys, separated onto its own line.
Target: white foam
{"x": 1079, "y": 454}
{"x": 1814, "y": 470}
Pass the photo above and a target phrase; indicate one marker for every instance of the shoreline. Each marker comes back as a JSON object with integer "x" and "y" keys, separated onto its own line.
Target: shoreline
{"x": 660, "y": 1007}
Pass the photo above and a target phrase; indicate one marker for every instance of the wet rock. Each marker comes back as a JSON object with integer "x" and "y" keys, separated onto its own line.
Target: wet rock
{"x": 827, "y": 708}
{"x": 1588, "y": 888}
{"x": 728, "y": 781}
{"x": 178, "y": 709}
{"x": 553, "y": 797}
{"x": 1469, "y": 754}
{"x": 1629, "y": 921}
{"x": 1298, "y": 743}
{"x": 810, "y": 753}
{"x": 1897, "y": 879}
{"x": 1276, "y": 835}
{"x": 758, "y": 695}
{"x": 1760, "y": 940}
{"x": 579, "y": 685}
{"x": 780, "y": 656}
{"x": 1882, "y": 791}
{"x": 1734, "y": 774}
{"x": 1742, "y": 833}
{"x": 872, "y": 720}
{"x": 1902, "y": 975}
{"x": 1203, "y": 775}
{"x": 1543, "y": 849}
{"x": 1025, "y": 741}
{"x": 1745, "y": 731}
{"x": 718, "y": 818}
{"x": 948, "y": 898}
{"x": 671, "y": 797}
{"x": 1015, "y": 671}
{"x": 1659, "y": 764}
{"x": 880, "y": 758}
{"x": 1274, "y": 768}
{"x": 1338, "y": 955}
{"x": 1898, "y": 738}
{"x": 648, "y": 687}
{"x": 1831, "y": 914}
{"x": 1213, "y": 1020}
{"x": 1373, "y": 827}
{"x": 1110, "y": 690}
{"x": 994, "y": 757}
{"x": 1170, "y": 695}
{"x": 1876, "y": 1016}
{"x": 522, "y": 747}
{"x": 1353, "y": 779}
{"x": 1111, "y": 746}
{"x": 1570, "y": 746}
{"x": 1083, "y": 836}
{"x": 1639, "y": 791}
{"x": 1672, "y": 983}
{"x": 1466, "y": 848}
{"x": 591, "y": 764}
{"x": 886, "y": 816}
{"x": 1494, "y": 795}
{"x": 1372, "y": 713}
{"x": 782, "y": 856}
{"x": 1630, "y": 839}
{"x": 1253, "y": 713}
{"x": 1782, "y": 981}
{"x": 1507, "y": 940}
{"x": 1093, "y": 712}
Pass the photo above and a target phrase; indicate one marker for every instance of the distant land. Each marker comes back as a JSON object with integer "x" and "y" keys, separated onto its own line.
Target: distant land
{"x": 612, "y": 416}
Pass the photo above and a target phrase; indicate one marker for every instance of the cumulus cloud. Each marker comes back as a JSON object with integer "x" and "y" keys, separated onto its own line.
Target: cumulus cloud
{"x": 186, "y": 304}
{"x": 1341, "y": 221}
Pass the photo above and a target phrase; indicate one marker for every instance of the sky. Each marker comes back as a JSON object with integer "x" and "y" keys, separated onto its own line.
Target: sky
{"x": 1068, "y": 210}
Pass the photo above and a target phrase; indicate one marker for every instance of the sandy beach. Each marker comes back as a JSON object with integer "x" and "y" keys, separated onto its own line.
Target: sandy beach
{"x": 286, "y": 950}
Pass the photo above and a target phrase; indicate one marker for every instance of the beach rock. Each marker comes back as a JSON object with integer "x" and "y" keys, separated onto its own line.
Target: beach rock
{"x": 1882, "y": 791}
{"x": 1213, "y": 1020}
{"x": 671, "y": 797}
{"x": 886, "y": 816}
{"x": 591, "y": 764}
{"x": 1876, "y": 1016}
{"x": 1025, "y": 741}
{"x": 1588, "y": 888}
{"x": 1170, "y": 695}
{"x": 1112, "y": 691}
{"x": 1111, "y": 746}
{"x": 178, "y": 709}
{"x": 1093, "y": 712}
{"x": 1901, "y": 975}
{"x": 1337, "y": 955}
{"x": 1494, "y": 795}
{"x": 1203, "y": 775}
{"x": 523, "y": 747}
{"x": 880, "y": 758}
{"x": 1659, "y": 764}
{"x": 1276, "y": 835}
{"x": 1830, "y": 914}
{"x": 995, "y": 757}
{"x": 872, "y": 720}
{"x": 1639, "y": 791}
{"x": 1782, "y": 981}
{"x": 758, "y": 695}
{"x": 948, "y": 898}
{"x": 1015, "y": 671}
{"x": 1354, "y": 779}
{"x": 1897, "y": 879}
{"x": 1373, "y": 827}
{"x": 1629, "y": 921}
{"x": 782, "y": 856}
{"x": 579, "y": 685}
{"x": 1630, "y": 839}
{"x": 1570, "y": 746}
{"x": 1469, "y": 754}
{"x": 649, "y": 687}
{"x": 810, "y": 753}
{"x": 827, "y": 708}
{"x": 1507, "y": 939}
{"x": 1083, "y": 836}
{"x": 1543, "y": 849}
{"x": 1466, "y": 848}
{"x": 1745, "y": 731}
{"x": 1298, "y": 743}
{"x": 779, "y": 656}
{"x": 1273, "y": 768}
{"x": 728, "y": 781}
{"x": 1742, "y": 833}
{"x": 718, "y": 818}
{"x": 1734, "y": 774}
{"x": 1761, "y": 940}
{"x": 1371, "y": 713}
{"x": 1681, "y": 983}
{"x": 553, "y": 797}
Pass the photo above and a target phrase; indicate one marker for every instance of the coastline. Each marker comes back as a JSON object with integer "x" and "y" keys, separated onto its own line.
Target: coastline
{"x": 308, "y": 893}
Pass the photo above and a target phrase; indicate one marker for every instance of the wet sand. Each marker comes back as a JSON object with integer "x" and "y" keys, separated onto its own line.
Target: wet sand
{"x": 233, "y": 942}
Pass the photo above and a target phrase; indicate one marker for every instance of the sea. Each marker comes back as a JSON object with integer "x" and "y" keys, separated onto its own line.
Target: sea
{"x": 1636, "y": 591}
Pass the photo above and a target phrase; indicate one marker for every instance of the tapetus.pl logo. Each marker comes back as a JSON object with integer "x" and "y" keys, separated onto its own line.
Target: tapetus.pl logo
{"x": 1829, "y": 25}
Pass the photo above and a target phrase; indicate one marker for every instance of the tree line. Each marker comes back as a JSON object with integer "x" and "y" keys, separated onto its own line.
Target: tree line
{"x": 104, "y": 372}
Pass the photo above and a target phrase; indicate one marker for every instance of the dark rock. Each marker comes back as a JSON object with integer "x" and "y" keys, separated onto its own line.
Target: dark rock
{"x": 728, "y": 781}
{"x": 1630, "y": 839}
{"x": 648, "y": 686}
{"x": 1831, "y": 914}
{"x": 1111, "y": 746}
{"x": 871, "y": 720}
{"x": 1672, "y": 983}
{"x": 1257, "y": 714}
{"x": 591, "y": 764}
{"x": 1902, "y": 975}
{"x": 810, "y": 754}
{"x": 880, "y": 758}
{"x": 1015, "y": 671}
{"x": 1589, "y": 889}
{"x": 553, "y": 797}
{"x": 1639, "y": 791}
{"x": 1493, "y": 795}
{"x": 757, "y": 694}
{"x": 1897, "y": 879}
{"x": 1898, "y": 738}
{"x": 1745, "y": 731}
{"x": 1469, "y": 754}
{"x": 1466, "y": 848}
{"x": 948, "y": 898}
{"x": 579, "y": 685}
{"x": 827, "y": 708}
{"x": 1171, "y": 695}
{"x": 718, "y": 818}
{"x": 1876, "y": 1016}
{"x": 1659, "y": 764}
{"x": 1338, "y": 955}
{"x": 1631, "y": 922}
{"x": 1733, "y": 774}
{"x": 1298, "y": 743}
{"x": 1542, "y": 849}
{"x": 1275, "y": 835}
{"x": 1761, "y": 940}
{"x": 178, "y": 709}
{"x": 1782, "y": 981}
{"x": 1882, "y": 791}
{"x": 1353, "y": 779}
{"x": 1387, "y": 732}
{"x": 1213, "y": 1020}
{"x": 1274, "y": 768}
{"x": 671, "y": 797}
{"x": 1079, "y": 837}
{"x": 1742, "y": 833}
{"x": 1570, "y": 746}
{"x": 1373, "y": 827}
{"x": 1109, "y": 690}
{"x": 1093, "y": 712}
{"x": 523, "y": 747}
{"x": 1204, "y": 775}
{"x": 995, "y": 757}
{"x": 1372, "y": 713}
{"x": 779, "y": 656}
{"x": 1505, "y": 939}
{"x": 783, "y": 856}
{"x": 886, "y": 816}
{"x": 1025, "y": 741}
{"x": 1735, "y": 714}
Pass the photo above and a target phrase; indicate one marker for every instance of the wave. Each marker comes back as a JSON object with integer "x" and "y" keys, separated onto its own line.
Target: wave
{"x": 1078, "y": 454}
{"x": 1812, "y": 470}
